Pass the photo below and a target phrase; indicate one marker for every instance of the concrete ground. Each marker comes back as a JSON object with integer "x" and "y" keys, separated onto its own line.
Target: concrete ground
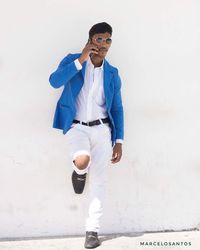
{"x": 185, "y": 240}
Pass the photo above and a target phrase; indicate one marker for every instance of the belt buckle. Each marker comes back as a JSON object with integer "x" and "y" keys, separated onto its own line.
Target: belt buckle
{"x": 85, "y": 123}
{"x": 100, "y": 120}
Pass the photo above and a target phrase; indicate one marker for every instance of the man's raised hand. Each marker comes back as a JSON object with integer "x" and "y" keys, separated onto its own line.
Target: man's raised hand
{"x": 89, "y": 49}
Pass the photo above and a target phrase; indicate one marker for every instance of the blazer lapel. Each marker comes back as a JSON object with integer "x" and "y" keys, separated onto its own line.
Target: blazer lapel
{"x": 108, "y": 74}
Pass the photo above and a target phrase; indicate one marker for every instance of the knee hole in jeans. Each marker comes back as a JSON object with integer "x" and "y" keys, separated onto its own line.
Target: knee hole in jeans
{"x": 81, "y": 161}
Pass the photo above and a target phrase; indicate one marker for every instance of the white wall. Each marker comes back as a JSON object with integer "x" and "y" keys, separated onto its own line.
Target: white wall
{"x": 156, "y": 46}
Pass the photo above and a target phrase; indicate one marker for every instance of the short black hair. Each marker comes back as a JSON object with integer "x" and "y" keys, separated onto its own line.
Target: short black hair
{"x": 100, "y": 28}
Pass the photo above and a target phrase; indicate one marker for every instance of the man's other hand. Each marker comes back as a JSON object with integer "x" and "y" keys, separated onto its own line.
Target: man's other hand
{"x": 117, "y": 153}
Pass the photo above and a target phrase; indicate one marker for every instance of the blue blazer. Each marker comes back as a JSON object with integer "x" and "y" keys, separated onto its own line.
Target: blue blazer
{"x": 67, "y": 74}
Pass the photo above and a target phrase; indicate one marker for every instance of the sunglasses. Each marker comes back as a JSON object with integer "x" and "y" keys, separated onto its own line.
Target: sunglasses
{"x": 101, "y": 39}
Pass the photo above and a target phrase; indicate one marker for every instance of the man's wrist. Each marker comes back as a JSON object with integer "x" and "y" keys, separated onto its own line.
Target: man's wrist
{"x": 120, "y": 141}
{"x": 81, "y": 60}
{"x": 78, "y": 64}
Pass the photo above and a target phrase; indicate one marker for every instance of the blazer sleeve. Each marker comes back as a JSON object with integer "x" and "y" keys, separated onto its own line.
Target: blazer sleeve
{"x": 65, "y": 71}
{"x": 117, "y": 109}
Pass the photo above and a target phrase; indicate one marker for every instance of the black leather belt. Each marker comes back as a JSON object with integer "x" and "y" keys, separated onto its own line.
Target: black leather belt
{"x": 93, "y": 123}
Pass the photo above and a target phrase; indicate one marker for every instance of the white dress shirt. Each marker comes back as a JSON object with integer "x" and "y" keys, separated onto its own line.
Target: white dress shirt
{"x": 90, "y": 103}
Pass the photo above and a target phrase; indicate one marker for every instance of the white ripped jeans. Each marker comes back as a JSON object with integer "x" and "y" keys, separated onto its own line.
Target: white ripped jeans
{"x": 95, "y": 142}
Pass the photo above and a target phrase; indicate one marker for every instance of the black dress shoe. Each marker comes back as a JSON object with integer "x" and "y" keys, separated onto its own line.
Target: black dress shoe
{"x": 91, "y": 240}
{"x": 78, "y": 182}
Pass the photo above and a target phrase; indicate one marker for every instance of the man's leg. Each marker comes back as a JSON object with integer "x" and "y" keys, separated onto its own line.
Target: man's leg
{"x": 101, "y": 152}
{"x": 79, "y": 147}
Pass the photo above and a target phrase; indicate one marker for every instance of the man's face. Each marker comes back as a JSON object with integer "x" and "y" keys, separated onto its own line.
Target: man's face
{"x": 103, "y": 42}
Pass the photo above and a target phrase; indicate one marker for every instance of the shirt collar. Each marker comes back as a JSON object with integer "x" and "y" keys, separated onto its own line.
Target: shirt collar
{"x": 89, "y": 62}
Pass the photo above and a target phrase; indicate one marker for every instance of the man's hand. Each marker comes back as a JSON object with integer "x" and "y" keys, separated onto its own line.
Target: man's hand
{"x": 89, "y": 49}
{"x": 117, "y": 153}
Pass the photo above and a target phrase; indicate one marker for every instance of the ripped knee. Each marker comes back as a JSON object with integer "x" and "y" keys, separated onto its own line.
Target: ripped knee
{"x": 81, "y": 161}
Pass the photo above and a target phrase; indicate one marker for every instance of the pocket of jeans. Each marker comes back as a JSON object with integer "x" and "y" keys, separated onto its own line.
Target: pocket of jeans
{"x": 106, "y": 128}
{"x": 74, "y": 125}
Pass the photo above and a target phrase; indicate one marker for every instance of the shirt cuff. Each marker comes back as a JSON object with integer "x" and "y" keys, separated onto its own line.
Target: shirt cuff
{"x": 119, "y": 141}
{"x": 78, "y": 64}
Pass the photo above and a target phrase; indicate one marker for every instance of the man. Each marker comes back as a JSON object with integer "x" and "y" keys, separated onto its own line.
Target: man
{"x": 90, "y": 113}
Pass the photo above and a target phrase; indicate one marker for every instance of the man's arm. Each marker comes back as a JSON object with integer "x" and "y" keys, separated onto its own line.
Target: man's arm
{"x": 118, "y": 117}
{"x": 65, "y": 71}
{"x": 117, "y": 109}
{"x": 68, "y": 67}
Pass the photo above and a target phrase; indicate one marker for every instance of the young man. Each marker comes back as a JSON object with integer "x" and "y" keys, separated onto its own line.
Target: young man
{"x": 90, "y": 113}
